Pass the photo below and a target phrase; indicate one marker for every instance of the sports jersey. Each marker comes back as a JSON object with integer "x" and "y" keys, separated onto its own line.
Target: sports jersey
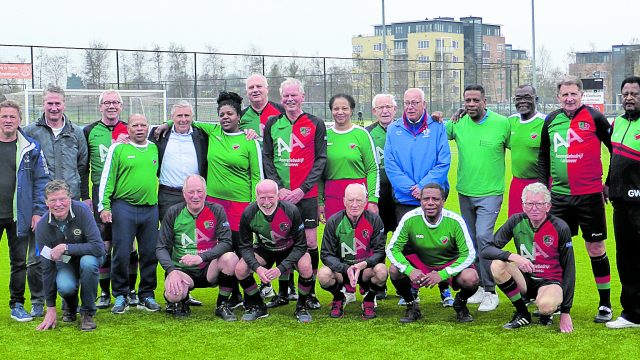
{"x": 379, "y": 137}
{"x": 129, "y": 174}
{"x": 251, "y": 119}
{"x": 99, "y": 139}
{"x": 570, "y": 151}
{"x": 206, "y": 234}
{"x": 281, "y": 231}
{"x": 481, "y": 149}
{"x": 350, "y": 155}
{"x": 295, "y": 153}
{"x": 235, "y": 164}
{"x": 524, "y": 143}
{"x": 624, "y": 178}
{"x": 549, "y": 248}
{"x": 445, "y": 242}
{"x": 345, "y": 243}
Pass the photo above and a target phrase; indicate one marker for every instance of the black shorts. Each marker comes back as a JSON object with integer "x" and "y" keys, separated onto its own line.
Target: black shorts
{"x": 309, "y": 212}
{"x": 535, "y": 283}
{"x": 105, "y": 228}
{"x": 199, "y": 276}
{"x": 271, "y": 257}
{"x": 387, "y": 208}
{"x": 586, "y": 211}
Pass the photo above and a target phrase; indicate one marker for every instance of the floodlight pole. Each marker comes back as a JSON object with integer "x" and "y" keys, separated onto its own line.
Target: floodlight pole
{"x": 533, "y": 40}
{"x": 385, "y": 67}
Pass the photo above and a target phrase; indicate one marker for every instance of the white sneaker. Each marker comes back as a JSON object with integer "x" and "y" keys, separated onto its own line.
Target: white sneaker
{"x": 477, "y": 297}
{"x": 489, "y": 303}
{"x": 621, "y": 323}
{"x": 349, "y": 297}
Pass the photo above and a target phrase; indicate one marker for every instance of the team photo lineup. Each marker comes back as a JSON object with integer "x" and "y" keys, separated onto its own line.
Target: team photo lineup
{"x": 269, "y": 205}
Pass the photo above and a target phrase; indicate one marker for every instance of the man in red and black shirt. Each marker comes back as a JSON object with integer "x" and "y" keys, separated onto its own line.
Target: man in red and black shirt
{"x": 570, "y": 154}
{"x": 260, "y": 109}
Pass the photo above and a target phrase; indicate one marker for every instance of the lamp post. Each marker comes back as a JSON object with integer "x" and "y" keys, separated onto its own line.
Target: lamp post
{"x": 385, "y": 68}
{"x": 533, "y": 41}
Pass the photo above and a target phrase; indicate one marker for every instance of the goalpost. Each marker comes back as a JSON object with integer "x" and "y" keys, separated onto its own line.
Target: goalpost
{"x": 82, "y": 108}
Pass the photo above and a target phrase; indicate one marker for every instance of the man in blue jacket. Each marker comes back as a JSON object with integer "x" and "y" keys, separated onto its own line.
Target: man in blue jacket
{"x": 23, "y": 176}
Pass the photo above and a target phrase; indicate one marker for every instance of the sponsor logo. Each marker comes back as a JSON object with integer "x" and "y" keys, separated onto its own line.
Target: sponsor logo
{"x": 444, "y": 240}
{"x": 559, "y": 141}
{"x": 634, "y": 193}
{"x": 547, "y": 240}
{"x": 77, "y": 232}
{"x": 596, "y": 234}
{"x": 284, "y": 226}
{"x": 293, "y": 143}
{"x": 419, "y": 236}
{"x": 305, "y": 131}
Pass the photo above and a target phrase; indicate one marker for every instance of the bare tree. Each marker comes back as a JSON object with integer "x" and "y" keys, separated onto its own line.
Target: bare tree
{"x": 139, "y": 59}
{"x": 254, "y": 62}
{"x": 547, "y": 76}
{"x": 157, "y": 58}
{"x": 213, "y": 64}
{"x": 96, "y": 63}
{"x": 178, "y": 72}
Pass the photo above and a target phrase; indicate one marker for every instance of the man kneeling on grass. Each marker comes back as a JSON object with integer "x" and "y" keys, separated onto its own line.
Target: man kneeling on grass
{"x": 544, "y": 267}
{"x": 71, "y": 251}
{"x": 195, "y": 249}
{"x": 353, "y": 250}
{"x": 443, "y": 251}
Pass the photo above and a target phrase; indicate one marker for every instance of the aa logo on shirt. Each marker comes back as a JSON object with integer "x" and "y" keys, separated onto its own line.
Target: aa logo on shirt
{"x": 352, "y": 146}
{"x": 284, "y": 226}
{"x": 547, "y": 240}
{"x": 365, "y": 234}
{"x": 444, "y": 240}
{"x": 637, "y": 135}
{"x": 584, "y": 125}
{"x": 235, "y": 146}
{"x": 305, "y": 131}
{"x": 534, "y": 135}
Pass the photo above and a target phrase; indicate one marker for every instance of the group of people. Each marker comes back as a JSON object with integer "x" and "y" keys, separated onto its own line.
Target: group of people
{"x": 239, "y": 196}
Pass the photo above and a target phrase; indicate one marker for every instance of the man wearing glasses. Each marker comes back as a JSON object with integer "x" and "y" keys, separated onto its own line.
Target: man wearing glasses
{"x": 543, "y": 268}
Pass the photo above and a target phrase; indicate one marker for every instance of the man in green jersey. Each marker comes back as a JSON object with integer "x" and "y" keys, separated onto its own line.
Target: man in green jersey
{"x": 482, "y": 137}
{"x": 442, "y": 252}
{"x": 129, "y": 200}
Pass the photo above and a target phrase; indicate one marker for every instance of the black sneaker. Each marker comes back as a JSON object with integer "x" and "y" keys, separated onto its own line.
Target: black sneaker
{"x": 104, "y": 301}
{"x": 462, "y": 311}
{"x": 278, "y": 300}
{"x": 312, "y": 302}
{"x": 182, "y": 309}
{"x": 235, "y": 301}
{"x": 171, "y": 308}
{"x": 69, "y": 316}
{"x": 302, "y": 314}
{"x": 412, "y": 313}
{"x": 255, "y": 312}
{"x": 546, "y": 320}
{"x": 519, "y": 320}
{"x": 132, "y": 298}
{"x": 191, "y": 301}
{"x": 225, "y": 313}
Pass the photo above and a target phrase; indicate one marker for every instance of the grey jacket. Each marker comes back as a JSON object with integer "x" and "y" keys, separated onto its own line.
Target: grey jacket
{"x": 67, "y": 155}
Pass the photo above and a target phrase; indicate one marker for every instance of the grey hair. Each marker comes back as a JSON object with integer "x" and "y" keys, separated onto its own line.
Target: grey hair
{"x": 54, "y": 89}
{"x": 56, "y": 185}
{"x": 418, "y": 90}
{"x": 112, "y": 91}
{"x": 570, "y": 80}
{"x": 379, "y": 96}
{"x": 181, "y": 104}
{"x": 194, "y": 176}
{"x": 536, "y": 188}
{"x": 292, "y": 81}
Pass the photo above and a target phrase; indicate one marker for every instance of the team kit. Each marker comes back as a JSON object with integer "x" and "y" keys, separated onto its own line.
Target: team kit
{"x": 239, "y": 202}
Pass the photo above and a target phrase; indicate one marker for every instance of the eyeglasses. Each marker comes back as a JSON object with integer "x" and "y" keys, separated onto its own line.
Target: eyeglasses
{"x": 109, "y": 103}
{"x": 412, "y": 103}
{"x": 384, "y": 107}
{"x": 531, "y": 205}
{"x": 523, "y": 98}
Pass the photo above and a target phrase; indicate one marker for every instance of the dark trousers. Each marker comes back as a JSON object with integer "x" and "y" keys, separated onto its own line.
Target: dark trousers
{"x": 626, "y": 226}
{"x": 21, "y": 270}
{"x": 129, "y": 222}
{"x": 167, "y": 197}
{"x": 79, "y": 273}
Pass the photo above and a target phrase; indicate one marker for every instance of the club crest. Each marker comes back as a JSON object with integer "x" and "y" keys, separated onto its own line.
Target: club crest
{"x": 365, "y": 234}
{"x": 305, "y": 131}
{"x": 444, "y": 240}
{"x": 284, "y": 227}
{"x": 235, "y": 146}
{"x": 534, "y": 135}
{"x": 547, "y": 240}
{"x": 584, "y": 125}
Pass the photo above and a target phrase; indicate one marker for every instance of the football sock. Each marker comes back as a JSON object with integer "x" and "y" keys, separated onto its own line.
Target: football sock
{"x": 602, "y": 275}
{"x": 510, "y": 288}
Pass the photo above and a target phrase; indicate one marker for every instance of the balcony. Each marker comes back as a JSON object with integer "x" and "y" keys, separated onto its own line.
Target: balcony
{"x": 397, "y": 52}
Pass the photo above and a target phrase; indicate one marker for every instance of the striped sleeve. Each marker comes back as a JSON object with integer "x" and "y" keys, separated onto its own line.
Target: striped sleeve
{"x": 464, "y": 244}
{"x": 371, "y": 166}
{"x": 108, "y": 178}
{"x": 399, "y": 241}
{"x": 255, "y": 164}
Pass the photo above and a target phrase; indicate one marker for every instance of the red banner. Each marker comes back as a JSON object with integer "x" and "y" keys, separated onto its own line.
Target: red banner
{"x": 15, "y": 71}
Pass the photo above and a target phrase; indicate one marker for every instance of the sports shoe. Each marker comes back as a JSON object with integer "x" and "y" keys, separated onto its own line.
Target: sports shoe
{"x": 225, "y": 313}
{"x": 621, "y": 323}
{"x": 519, "y": 320}
{"x": 132, "y": 298}
{"x": 69, "y": 315}
{"x": 604, "y": 314}
{"x": 545, "y": 320}
{"x": 37, "y": 310}
{"x": 416, "y": 298}
{"x": 120, "y": 305}
{"x": 447, "y": 299}
{"x": 182, "y": 309}
{"x": 292, "y": 292}
{"x": 235, "y": 301}
{"x": 337, "y": 309}
{"x": 348, "y": 296}
{"x": 382, "y": 294}
{"x": 150, "y": 304}
{"x": 104, "y": 301}
{"x": 255, "y": 312}
{"x": 191, "y": 301}
{"x": 87, "y": 323}
{"x": 461, "y": 309}
{"x": 302, "y": 314}
{"x": 412, "y": 313}
{"x": 278, "y": 300}
{"x": 312, "y": 302}
{"x": 368, "y": 310}
{"x": 19, "y": 314}
{"x": 171, "y": 308}
{"x": 477, "y": 297}
{"x": 266, "y": 291}
{"x": 490, "y": 302}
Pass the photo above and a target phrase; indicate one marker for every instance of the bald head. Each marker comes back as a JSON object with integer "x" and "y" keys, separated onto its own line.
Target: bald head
{"x": 267, "y": 196}
{"x": 138, "y": 129}
{"x": 355, "y": 200}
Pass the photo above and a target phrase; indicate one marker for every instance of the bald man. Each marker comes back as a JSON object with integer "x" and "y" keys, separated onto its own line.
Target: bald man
{"x": 255, "y": 115}
{"x": 280, "y": 240}
{"x": 353, "y": 251}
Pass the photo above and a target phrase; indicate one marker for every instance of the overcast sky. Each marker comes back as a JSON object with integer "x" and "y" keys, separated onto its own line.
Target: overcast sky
{"x": 302, "y": 27}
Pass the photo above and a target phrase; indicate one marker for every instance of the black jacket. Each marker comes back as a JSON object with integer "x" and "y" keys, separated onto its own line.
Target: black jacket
{"x": 200, "y": 142}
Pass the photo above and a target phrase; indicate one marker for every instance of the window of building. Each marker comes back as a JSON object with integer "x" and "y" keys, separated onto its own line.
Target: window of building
{"x": 486, "y": 47}
{"x": 377, "y": 47}
{"x": 499, "y": 47}
{"x": 357, "y": 49}
{"x": 423, "y": 75}
{"x": 455, "y": 58}
{"x": 423, "y": 44}
{"x": 454, "y": 44}
{"x": 455, "y": 74}
{"x": 423, "y": 59}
